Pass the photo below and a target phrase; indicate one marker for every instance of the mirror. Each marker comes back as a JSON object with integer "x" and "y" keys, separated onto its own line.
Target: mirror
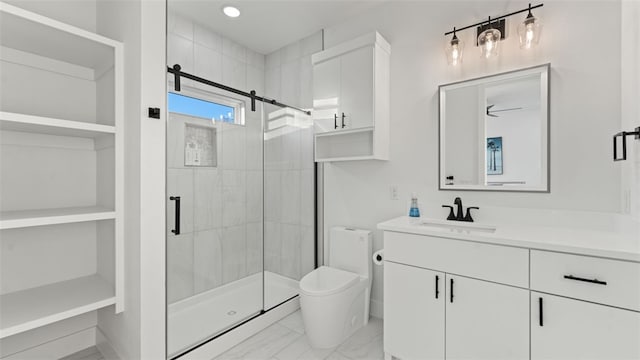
{"x": 494, "y": 132}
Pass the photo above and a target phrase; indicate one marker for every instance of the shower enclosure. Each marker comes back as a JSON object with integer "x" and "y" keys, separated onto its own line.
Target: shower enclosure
{"x": 240, "y": 208}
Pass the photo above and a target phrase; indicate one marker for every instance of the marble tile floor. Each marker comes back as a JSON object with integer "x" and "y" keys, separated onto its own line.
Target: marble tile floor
{"x": 285, "y": 340}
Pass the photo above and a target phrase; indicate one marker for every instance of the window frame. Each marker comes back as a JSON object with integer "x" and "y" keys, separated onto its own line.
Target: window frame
{"x": 239, "y": 105}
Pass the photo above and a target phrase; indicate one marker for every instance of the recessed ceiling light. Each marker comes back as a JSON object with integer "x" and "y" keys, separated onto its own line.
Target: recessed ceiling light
{"x": 231, "y": 11}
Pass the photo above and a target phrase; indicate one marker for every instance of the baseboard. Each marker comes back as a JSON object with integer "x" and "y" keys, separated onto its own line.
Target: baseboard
{"x": 234, "y": 337}
{"x": 58, "y": 348}
{"x": 104, "y": 346}
{"x": 376, "y": 309}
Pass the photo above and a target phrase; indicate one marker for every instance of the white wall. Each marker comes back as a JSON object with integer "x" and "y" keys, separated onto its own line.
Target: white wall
{"x": 80, "y": 13}
{"x": 585, "y": 109}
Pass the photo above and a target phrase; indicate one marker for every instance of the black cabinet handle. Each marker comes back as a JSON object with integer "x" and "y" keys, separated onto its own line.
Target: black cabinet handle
{"x": 593, "y": 281}
{"x": 335, "y": 121}
{"x": 343, "y": 125}
{"x": 540, "y": 318}
{"x": 451, "y": 292}
{"x": 177, "y": 224}
{"x": 437, "y": 286}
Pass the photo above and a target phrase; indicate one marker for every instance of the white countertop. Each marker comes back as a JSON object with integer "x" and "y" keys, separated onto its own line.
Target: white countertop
{"x": 615, "y": 245}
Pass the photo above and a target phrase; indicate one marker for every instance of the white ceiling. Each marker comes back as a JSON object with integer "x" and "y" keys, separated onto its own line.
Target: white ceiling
{"x": 267, "y": 25}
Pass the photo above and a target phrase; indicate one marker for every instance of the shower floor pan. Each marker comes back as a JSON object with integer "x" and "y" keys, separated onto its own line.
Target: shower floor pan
{"x": 194, "y": 319}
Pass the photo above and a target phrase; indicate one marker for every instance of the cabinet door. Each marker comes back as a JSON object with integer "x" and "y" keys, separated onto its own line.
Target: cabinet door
{"x": 326, "y": 95}
{"x": 486, "y": 320}
{"x": 356, "y": 84}
{"x": 413, "y": 312}
{"x": 577, "y": 330}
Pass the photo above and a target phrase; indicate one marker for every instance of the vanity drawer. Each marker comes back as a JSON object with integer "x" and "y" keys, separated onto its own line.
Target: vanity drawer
{"x": 502, "y": 264}
{"x": 603, "y": 281}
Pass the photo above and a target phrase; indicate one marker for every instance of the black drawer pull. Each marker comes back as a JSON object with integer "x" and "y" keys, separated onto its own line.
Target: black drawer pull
{"x": 540, "y": 319}
{"x": 451, "y": 292}
{"x": 335, "y": 121}
{"x": 343, "y": 125}
{"x": 437, "y": 287}
{"x": 593, "y": 281}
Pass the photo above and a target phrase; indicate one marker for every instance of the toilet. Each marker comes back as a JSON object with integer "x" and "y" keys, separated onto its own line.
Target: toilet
{"x": 334, "y": 299}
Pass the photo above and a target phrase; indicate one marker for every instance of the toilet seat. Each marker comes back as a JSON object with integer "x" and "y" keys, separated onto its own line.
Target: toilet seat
{"x": 326, "y": 280}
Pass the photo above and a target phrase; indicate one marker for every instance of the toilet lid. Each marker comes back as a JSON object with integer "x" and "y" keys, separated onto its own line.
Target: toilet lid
{"x": 326, "y": 281}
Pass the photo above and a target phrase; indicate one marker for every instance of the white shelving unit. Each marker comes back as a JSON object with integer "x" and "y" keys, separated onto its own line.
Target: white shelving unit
{"x": 62, "y": 160}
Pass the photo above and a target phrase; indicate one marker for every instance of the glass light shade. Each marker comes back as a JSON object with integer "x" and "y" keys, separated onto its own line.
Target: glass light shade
{"x": 454, "y": 48}
{"x": 488, "y": 42}
{"x": 529, "y": 32}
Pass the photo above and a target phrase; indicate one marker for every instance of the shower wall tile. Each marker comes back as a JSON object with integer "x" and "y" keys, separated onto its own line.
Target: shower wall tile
{"x": 272, "y": 246}
{"x": 290, "y": 83}
{"x": 179, "y": 266}
{"x": 254, "y": 196}
{"x": 273, "y": 60}
{"x": 255, "y": 81}
{"x": 180, "y": 183}
{"x": 291, "y": 148}
{"x": 234, "y": 50}
{"x": 175, "y": 141}
{"x": 254, "y": 140}
{"x": 234, "y": 73}
{"x": 207, "y": 64}
{"x": 234, "y": 198}
{"x": 290, "y": 197}
{"x": 290, "y": 53}
{"x": 234, "y": 148}
{"x": 306, "y": 83}
{"x": 207, "y": 199}
{"x": 207, "y": 260}
{"x": 234, "y": 248}
{"x": 272, "y": 196}
{"x": 254, "y": 247}
{"x": 306, "y": 148}
{"x": 208, "y": 38}
{"x": 272, "y": 148}
{"x": 180, "y": 51}
{"x": 180, "y": 26}
{"x": 311, "y": 44}
{"x": 272, "y": 83}
{"x": 290, "y": 251}
{"x": 255, "y": 59}
{"x": 307, "y": 201}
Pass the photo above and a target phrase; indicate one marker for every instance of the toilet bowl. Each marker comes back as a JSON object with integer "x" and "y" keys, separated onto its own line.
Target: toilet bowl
{"x": 334, "y": 299}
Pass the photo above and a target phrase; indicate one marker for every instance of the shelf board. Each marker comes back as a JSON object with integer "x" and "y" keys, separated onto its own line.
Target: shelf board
{"x": 33, "y": 33}
{"x": 52, "y": 126}
{"x": 29, "y": 309}
{"x": 347, "y": 158}
{"x": 28, "y": 218}
{"x": 345, "y": 132}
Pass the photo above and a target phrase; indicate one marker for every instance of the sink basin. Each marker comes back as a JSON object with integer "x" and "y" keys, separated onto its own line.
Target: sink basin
{"x": 455, "y": 226}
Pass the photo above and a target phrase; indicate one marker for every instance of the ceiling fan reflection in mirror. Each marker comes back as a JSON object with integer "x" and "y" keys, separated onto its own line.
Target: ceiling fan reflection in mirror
{"x": 492, "y": 112}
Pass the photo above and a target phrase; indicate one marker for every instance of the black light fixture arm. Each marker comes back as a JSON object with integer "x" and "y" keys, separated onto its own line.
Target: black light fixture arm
{"x": 495, "y": 19}
{"x": 177, "y": 72}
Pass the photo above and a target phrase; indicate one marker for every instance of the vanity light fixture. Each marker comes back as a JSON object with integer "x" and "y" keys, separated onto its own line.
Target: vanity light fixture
{"x": 492, "y": 31}
{"x": 453, "y": 48}
{"x": 529, "y": 31}
{"x": 231, "y": 11}
{"x": 489, "y": 40}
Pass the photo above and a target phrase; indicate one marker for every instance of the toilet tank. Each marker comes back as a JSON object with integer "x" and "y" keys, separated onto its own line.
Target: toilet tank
{"x": 351, "y": 250}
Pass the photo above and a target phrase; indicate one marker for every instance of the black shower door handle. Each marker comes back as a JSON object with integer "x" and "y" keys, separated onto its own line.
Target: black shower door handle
{"x": 177, "y": 221}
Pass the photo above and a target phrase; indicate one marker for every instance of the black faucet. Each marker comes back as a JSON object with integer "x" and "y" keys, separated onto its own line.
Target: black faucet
{"x": 459, "y": 216}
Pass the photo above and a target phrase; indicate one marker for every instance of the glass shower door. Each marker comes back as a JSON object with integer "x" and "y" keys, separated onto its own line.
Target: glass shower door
{"x": 214, "y": 215}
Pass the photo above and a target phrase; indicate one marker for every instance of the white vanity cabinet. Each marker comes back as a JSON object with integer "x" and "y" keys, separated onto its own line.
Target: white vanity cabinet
{"x": 351, "y": 100}
{"x": 424, "y": 285}
{"x": 458, "y": 295}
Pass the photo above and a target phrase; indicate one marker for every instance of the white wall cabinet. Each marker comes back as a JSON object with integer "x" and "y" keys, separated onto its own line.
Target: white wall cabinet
{"x": 569, "y": 329}
{"x": 351, "y": 100}
{"x": 61, "y": 159}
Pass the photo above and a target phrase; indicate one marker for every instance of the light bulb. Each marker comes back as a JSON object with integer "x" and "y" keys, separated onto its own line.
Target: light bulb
{"x": 488, "y": 42}
{"x": 529, "y": 31}
{"x": 454, "y": 49}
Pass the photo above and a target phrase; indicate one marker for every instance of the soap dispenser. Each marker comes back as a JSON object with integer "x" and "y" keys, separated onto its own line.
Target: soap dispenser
{"x": 414, "y": 211}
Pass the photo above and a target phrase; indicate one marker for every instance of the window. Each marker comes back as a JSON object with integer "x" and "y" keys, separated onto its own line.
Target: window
{"x": 221, "y": 109}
